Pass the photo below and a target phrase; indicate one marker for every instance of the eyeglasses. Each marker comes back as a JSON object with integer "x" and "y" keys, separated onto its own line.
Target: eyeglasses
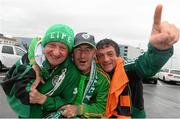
{"x": 84, "y": 50}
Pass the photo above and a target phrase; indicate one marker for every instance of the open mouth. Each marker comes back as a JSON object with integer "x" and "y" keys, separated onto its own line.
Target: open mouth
{"x": 82, "y": 62}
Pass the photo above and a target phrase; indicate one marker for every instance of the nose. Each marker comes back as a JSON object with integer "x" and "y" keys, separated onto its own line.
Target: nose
{"x": 56, "y": 52}
{"x": 82, "y": 55}
{"x": 106, "y": 58}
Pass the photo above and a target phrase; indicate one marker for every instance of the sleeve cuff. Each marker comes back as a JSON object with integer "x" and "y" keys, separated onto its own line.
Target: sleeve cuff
{"x": 151, "y": 47}
{"x": 80, "y": 110}
{"x": 47, "y": 102}
{"x": 32, "y": 62}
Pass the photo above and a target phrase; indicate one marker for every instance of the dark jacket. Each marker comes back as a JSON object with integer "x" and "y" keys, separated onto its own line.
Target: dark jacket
{"x": 146, "y": 65}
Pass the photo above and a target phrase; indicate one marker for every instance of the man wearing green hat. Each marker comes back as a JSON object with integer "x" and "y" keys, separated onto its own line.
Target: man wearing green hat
{"x": 57, "y": 70}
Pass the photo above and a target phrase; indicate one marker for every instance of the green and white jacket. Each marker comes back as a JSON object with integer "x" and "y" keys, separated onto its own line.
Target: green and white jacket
{"x": 60, "y": 86}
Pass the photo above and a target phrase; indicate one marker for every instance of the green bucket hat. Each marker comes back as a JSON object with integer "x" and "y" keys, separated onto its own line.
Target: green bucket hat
{"x": 59, "y": 33}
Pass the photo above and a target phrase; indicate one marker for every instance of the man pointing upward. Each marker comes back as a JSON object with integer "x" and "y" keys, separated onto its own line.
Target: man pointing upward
{"x": 164, "y": 34}
{"x": 125, "y": 97}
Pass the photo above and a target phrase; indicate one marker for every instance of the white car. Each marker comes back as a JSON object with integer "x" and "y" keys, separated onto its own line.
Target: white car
{"x": 169, "y": 75}
{"x": 9, "y": 54}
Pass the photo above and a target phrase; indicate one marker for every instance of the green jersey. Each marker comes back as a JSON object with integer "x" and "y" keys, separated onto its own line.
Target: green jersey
{"x": 93, "y": 104}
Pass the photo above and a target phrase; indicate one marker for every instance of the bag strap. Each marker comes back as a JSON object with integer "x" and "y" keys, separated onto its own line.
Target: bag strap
{"x": 26, "y": 71}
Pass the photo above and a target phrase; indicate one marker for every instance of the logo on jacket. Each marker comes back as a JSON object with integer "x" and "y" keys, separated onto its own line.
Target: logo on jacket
{"x": 75, "y": 91}
{"x": 55, "y": 80}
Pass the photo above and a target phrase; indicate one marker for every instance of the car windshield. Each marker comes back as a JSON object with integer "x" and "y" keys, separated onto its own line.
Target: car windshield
{"x": 175, "y": 72}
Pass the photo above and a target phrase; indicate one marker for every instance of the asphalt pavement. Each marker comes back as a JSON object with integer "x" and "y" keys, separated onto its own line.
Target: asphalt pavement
{"x": 161, "y": 101}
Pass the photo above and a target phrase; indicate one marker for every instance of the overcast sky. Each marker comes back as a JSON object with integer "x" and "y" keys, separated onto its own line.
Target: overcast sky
{"x": 125, "y": 21}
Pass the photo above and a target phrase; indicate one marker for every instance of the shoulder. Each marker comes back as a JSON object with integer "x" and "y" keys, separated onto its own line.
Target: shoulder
{"x": 129, "y": 61}
{"x": 69, "y": 63}
{"x": 72, "y": 69}
{"x": 102, "y": 74}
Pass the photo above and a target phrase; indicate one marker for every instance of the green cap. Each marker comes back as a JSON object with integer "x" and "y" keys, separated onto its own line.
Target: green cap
{"x": 59, "y": 33}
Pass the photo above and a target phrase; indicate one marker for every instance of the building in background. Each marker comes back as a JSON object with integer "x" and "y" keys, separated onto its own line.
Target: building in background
{"x": 130, "y": 52}
{"x": 19, "y": 41}
{"x": 7, "y": 40}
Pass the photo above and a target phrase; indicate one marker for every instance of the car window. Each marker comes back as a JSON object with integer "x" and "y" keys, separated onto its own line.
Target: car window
{"x": 7, "y": 49}
{"x": 19, "y": 51}
{"x": 175, "y": 72}
{"x": 164, "y": 70}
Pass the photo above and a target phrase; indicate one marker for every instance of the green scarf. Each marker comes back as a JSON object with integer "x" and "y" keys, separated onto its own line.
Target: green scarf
{"x": 91, "y": 83}
{"x": 85, "y": 95}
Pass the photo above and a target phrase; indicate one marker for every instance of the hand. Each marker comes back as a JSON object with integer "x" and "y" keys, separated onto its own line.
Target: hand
{"x": 70, "y": 110}
{"x": 37, "y": 81}
{"x": 163, "y": 35}
{"x": 35, "y": 97}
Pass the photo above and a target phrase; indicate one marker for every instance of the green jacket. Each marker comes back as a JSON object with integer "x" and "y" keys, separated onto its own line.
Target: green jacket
{"x": 66, "y": 92}
{"x": 146, "y": 65}
{"x": 95, "y": 107}
{"x": 65, "y": 74}
{"x": 31, "y": 49}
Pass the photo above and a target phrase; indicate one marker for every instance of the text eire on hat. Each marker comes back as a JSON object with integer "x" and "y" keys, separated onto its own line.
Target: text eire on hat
{"x": 59, "y": 33}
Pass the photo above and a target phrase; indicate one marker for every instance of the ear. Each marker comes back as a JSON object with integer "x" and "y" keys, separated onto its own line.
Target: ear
{"x": 72, "y": 56}
{"x": 94, "y": 55}
{"x": 96, "y": 59}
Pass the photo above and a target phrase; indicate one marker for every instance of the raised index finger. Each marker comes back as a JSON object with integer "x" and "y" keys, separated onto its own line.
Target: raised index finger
{"x": 157, "y": 16}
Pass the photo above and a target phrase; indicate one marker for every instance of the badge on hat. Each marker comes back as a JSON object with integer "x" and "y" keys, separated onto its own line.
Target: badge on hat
{"x": 85, "y": 36}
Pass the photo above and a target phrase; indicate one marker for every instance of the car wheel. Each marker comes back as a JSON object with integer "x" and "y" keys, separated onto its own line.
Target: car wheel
{"x": 164, "y": 78}
{"x": 0, "y": 66}
{"x": 155, "y": 81}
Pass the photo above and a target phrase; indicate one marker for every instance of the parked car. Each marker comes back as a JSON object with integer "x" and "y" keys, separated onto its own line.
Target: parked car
{"x": 170, "y": 75}
{"x": 9, "y": 54}
{"x": 151, "y": 80}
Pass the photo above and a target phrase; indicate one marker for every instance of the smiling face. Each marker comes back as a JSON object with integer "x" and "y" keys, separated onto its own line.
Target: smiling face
{"x": 83, "y": 56}
{"x": 107, "y": 57}
{"x": 56, "y": 53}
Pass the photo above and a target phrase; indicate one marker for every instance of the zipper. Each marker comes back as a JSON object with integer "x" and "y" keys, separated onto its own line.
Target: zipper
{"x": 130, "y": 99}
